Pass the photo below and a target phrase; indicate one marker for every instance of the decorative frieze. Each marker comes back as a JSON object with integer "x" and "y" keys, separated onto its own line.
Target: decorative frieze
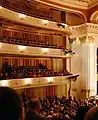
{"x": 84, "y": 29}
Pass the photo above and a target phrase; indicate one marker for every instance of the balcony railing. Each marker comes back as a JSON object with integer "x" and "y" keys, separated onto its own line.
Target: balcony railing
{"x": 36, "y": 82}
{"x": 29, "y": 8}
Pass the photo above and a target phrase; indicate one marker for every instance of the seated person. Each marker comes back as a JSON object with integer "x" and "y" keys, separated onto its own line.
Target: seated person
{"x": 41, "y": 66}
{"x": 33, "y": 109}
{"x": 6, "y": 70}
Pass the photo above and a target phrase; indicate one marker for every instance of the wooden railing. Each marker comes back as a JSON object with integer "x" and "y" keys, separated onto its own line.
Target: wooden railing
{"x": 31, "y": 39}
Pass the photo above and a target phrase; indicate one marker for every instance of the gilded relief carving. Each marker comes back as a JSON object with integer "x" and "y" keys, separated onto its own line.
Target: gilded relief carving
{"x": 86, "y": 39}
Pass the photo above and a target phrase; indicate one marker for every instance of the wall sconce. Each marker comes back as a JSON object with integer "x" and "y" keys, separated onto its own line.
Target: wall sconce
{"x": 70, "y": 28}
{"x": 22, "y": 16}
{"x": 45, "y": 22}
{"x": 45, "y": 50}
{"x": 63, "y": 25}
{"x": 0, "y": 44}
{"x": 72, "y": 41}
{"x": 67, "y": 52}
{"x": 4, "y": 83}
{"x": 28, "y": 81}
{"x": 50, "y": 80}
{"x": 21, "y": 48}
{"x": 0, "y": 7}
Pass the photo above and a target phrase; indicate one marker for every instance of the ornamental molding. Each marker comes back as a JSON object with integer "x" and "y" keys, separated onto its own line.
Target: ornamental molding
{"x": 37, "y": 82}
{"x": 86, "y": 39}
{"x": 85, "y": 29}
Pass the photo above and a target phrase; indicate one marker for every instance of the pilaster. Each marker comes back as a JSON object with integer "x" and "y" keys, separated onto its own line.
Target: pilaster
{"x": 86, "y": 37}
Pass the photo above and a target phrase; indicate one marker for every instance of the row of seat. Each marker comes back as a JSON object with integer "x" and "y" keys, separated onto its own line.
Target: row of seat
{"x": 21, "y": 38}
{"x": 29, "y": 72}
{"x": 31, "y": 43}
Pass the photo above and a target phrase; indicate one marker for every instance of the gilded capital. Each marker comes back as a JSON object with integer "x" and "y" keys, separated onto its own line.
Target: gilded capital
{"x": 86, "y": 39}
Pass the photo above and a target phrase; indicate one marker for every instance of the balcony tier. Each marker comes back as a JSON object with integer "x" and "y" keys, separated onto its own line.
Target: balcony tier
{"x": 32, "y": 21}
{"x": 37, "y": 82}
{"x": 18, "y": 50}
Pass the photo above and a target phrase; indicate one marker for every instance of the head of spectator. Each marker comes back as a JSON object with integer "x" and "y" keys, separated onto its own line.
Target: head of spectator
{"x": 10, "y": 104}
{"x": 33, "y": 105}
{"x": 92, "y": 114}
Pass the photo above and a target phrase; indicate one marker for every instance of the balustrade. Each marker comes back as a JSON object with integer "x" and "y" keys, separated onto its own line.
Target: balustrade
{"x": 30, "y": 39}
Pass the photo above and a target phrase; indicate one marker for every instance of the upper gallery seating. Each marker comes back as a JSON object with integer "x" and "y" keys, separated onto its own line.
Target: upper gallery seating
{"x": 30, "y": 8}
{"x": 16, "y": 72}
{"x": 29, "y": 39}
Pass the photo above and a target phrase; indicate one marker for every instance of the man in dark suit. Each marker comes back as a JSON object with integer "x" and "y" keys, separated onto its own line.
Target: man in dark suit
{"x": 33, "y": 108}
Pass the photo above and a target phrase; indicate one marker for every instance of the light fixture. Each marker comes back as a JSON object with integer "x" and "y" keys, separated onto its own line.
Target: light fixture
{"x": 0, "y": 7}
{"x": 45, "y": 50}
{"x": 50, "y": 79}
{"x": 21, "y": 48}
{"x": 22, "y": 16}
{"x": 28, "y": 81}
{"x": 63, "y": 25}
{"x": 0, "y": 44}
{"x": 70, "y": 28}
{"x": 4, "y": 83}
{"x": 72, "y": 41}
{"x": 45, "y": 22}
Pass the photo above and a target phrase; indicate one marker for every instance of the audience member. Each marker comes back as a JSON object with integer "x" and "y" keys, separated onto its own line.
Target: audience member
{"x": 92, "y": 114}
{"x": 33, "y": 109}
{"x": 10, "y": 104}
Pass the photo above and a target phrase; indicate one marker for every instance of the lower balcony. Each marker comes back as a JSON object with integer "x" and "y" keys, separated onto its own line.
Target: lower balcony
{"x": 37, "y": 82}
{"x": 20, "y": 50}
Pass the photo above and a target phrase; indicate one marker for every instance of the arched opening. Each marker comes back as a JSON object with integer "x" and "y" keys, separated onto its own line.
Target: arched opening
{"x": 94, "y": 17}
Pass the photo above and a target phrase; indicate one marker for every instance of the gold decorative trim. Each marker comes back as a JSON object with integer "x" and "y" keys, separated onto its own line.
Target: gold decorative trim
{"x": 86, "y": 39}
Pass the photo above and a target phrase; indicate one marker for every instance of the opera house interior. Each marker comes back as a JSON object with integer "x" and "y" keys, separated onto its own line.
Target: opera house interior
{"x": 49, "y": 47}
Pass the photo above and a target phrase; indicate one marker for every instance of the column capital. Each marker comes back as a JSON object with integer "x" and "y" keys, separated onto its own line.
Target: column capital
{"x": 85, "y": 29}
{"x": 86, "y": 39}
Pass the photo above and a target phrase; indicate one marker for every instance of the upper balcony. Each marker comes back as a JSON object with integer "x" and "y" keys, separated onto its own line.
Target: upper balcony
{"x": 35, "y": 9}
{"x": 35, "y": 22}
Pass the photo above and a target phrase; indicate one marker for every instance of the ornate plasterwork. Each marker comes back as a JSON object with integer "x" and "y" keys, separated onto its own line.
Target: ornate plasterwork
{"x": 85, "y": 33}
{"x": 86, "y": 39}
{"x": 84, "y": 30}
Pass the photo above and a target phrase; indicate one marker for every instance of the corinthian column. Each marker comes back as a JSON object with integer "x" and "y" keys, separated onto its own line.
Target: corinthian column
{"x": 89, "y": 78}
{"x": 85, "y": 60}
